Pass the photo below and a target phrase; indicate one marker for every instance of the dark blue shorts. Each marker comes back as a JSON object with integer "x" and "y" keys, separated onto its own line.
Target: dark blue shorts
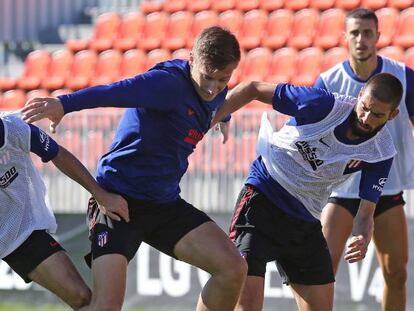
{"x": 385, "y": 203}
{"x": 159, "y": 225}
{"x": 262, "y": 232}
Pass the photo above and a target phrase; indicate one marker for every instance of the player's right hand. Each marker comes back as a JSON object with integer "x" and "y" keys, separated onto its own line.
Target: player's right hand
{"x": 39, "y": 108}
{"x": 113, "y": 205}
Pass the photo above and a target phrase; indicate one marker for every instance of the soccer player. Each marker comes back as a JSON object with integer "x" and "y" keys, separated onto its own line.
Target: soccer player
{"x": 277, "y": 213}
{"x": 26, "y": 222}
{"x": 390, "y": 233}
{"x": 170, "y": 108}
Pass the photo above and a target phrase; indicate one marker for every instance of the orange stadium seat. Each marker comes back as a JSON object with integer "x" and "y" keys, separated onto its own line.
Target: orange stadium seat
{"x": 181, "y": 54}
{"x": 271, "y": 5}
{"x": 198, "y": 5}
{"x": 303, "y": 29}
{"x": 347, "y": 4}
{"x": 82, "y": 70}
{"x": 179, "y": 25}
{"x": 156, "y": 56}
{"x": 105, "y": 31}
{"x": 174, "y": 5}
{"x": 333, "y": 56}
{"x": 13, "y": 99}
{"x": 132, "y": 63}
{"x": 153, "y": 32}
{"x": 330, "y": 28}
{"x": 59, "y": 68}
{"x": 404, "y": 35}
{"x": 387, "y": 21}
{"x": 409, "y": 57}
{"x": 296, "y": 5}
{"x": 231, "y": 20}
{"x": 35, "y": 69}
{"x": 254, "y": 22}
{"x": 400, "y": 4}
{"x": 36, "y": 93}
{"x": 394, "y": 52}
{"x": 222, "y": 5}
{"x": 308, "y": 66}
{"x": 373, "y": 4}
{"x": 282, "y": 66}
{"x": 7, "y": 83}
{"x": 149, "y": 6}
{"x": 201, "y": 20}
{"x": 107, "y": 68}
{"x": 278, "y": 28}
{"x": 247, "y": 5}
{"x": 322, "y": 4}
{"x": 256, "y": 64}
{"x": 60, "y": 92}
{"x": 132, "y": 24}
{"x": 237, "y": 73}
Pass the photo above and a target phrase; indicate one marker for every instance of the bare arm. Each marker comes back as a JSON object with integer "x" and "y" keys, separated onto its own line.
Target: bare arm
{"x": 243, "y": 94}
{"x": 361, "y": 232}
{"x": 110, "y": 204}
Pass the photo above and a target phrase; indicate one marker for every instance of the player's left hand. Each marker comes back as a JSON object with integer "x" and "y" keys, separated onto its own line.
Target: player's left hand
{"x": 224, "y": 129}
{"x": 356, "y": 249}
{"x": 113, "y": 205}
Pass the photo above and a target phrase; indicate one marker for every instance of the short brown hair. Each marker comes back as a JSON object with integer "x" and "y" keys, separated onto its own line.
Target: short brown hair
{"x": 362, "y": 13}
{"x": 386, "y": 88}
{"x": 217, "y": 47}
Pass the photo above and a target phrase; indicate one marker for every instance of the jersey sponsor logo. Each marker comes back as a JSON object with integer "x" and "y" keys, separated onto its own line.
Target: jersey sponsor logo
{"x": 382, "y": 181}
{"x": 308, "y": 153}
{"x": 44, "y": 140}
{"x": 381, "y": 184}
{"x": 103, "y": 238}
{"x": 8, "y": 177}
{"x": 193, "y": 137}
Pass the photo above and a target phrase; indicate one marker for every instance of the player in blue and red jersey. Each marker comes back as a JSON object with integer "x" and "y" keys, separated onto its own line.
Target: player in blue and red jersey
{"x": 170, "y": 109}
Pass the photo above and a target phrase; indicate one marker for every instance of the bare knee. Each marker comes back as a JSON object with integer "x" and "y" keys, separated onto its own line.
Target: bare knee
{"x": 396, "y": 278}
{"x": 234, "y": 269}
{"x": 80, "y": 297}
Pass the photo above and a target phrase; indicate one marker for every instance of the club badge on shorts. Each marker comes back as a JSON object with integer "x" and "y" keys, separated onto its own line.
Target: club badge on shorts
{"x": 102, "y": 238}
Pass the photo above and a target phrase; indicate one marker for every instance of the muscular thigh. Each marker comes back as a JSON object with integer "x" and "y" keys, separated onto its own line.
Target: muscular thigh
{"x": 39, "y": 246}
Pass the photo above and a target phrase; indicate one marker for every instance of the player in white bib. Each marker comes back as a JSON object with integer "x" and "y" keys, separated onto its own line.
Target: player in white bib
{"x": 277, "y": 214}
{"x": 26, "y": 221}
{"x": 390, "y": 234}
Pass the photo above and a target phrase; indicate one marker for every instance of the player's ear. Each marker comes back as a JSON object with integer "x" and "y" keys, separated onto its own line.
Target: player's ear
{"x": 394, "y": 113}
{"x": 191, "y": 59}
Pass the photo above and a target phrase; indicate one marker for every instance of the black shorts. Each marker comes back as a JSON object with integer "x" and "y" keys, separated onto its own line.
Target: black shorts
{"x": 159, "y": 225}
{"x": 262, "y": 233}
{"x": 385, "y": 203}
{"x": 39, "y": 246}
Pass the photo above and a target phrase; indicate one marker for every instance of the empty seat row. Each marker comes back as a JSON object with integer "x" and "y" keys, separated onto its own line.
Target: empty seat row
{"x": 86, "y": 68}
{"x": 304, "y": 28}
{"x": 148, "y": 6}
{"x": 15, "y": 99}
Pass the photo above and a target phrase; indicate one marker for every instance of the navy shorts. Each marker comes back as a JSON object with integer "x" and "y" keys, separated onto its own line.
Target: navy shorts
{"x": 39, "y": 246}
{"x": 385, "y": 203}
{"x": 262, "y": 232}
{"x": 159, "y": 225}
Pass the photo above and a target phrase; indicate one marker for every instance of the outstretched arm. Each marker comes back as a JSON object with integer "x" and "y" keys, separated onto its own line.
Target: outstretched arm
{"x": 243, "y": 94}
{"x": 112, "y": 205}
